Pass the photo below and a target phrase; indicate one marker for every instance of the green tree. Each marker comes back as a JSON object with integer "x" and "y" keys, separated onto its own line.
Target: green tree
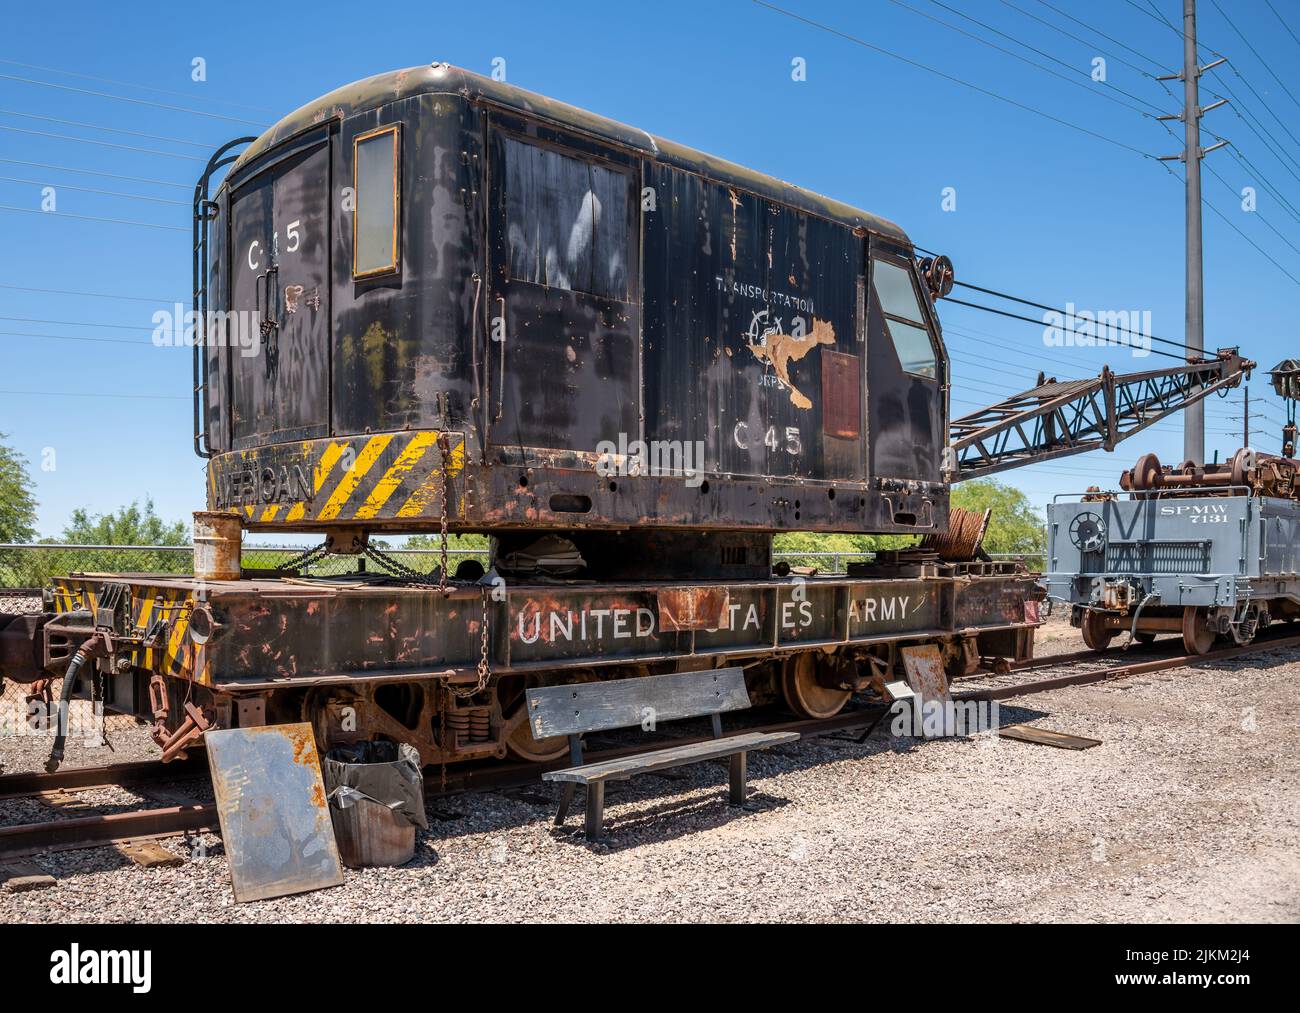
{"x": 17, "y": 502}
{"x": 129, "y": 525}
{"x": 797, "y": 542}
{"x": 1015, "y": 525}
{"x": 478, "y": 543}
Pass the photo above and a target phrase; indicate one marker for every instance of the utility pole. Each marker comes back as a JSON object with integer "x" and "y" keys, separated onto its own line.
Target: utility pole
{"x": 1193, "y": 415}
{"x": 1245, "y": 418}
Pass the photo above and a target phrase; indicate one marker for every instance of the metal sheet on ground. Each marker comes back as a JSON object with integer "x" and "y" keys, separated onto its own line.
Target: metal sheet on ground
{"x": 924, "y": 667}
{"x": 1047, "y": 737}
{"x": 275, "y": 821}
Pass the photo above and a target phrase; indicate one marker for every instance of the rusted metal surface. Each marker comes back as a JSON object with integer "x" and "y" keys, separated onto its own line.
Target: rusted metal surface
{"x": 692, "y": 608}
{"x": 94, "y": 831}
{"x": 1248, "y": 470}
{"x": 1047, "y": 737}
{"x": 1122, "y": 671}
{"x": 731, "y": 319}
{"x": 275, "y": 820}
{"x": 217, "y": 545}
{"x": 26, "y": 783}
{"x": 925, "y": 675}
{"x": 450, "y": 83}
{"x": 963, "y": 538}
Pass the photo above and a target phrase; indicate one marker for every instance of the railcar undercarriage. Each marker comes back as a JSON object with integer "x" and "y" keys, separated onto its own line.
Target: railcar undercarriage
{"x": 373, "y": 655}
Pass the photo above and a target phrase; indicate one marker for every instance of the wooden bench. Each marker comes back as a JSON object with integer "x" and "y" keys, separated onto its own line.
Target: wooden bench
{"x": 623, "y": 703}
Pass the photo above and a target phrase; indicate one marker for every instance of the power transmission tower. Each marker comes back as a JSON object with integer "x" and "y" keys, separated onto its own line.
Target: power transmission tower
{"x": 1193, "y": 415}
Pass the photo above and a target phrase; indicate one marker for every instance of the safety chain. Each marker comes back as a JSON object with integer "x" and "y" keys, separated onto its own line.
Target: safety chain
{"x": 455, "y": 693}
{"x": 445, "y": 706}
{"x": 102, "y": 717}
{"x": 305, "y": 559}
{"x": 414, "y": 577}
{"x": 443, "y": 451}
{"x": 484, "y": 664}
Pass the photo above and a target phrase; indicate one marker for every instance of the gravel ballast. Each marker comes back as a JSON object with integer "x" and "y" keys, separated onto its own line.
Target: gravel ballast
{"x": 1187, "y": 812}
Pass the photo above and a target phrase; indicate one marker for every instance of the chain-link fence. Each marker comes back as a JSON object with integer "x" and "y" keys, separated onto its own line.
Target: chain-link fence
{"x": 32, "y": 722}
{"x": 32, "y": 566}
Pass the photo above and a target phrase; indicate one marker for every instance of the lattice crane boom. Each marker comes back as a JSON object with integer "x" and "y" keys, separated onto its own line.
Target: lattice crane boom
{"x": 1057, "y": 419}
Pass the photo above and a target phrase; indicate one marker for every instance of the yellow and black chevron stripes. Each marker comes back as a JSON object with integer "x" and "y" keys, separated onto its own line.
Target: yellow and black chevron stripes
{"x": 363, "y": 478}
{"x": 173, "y": 605}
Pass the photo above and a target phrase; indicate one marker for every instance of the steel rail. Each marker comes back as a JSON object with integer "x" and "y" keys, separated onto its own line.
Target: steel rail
{"x": 96, "y": 831}
{"x": 1125, "y": 671}
{"x": 27, "y": 783}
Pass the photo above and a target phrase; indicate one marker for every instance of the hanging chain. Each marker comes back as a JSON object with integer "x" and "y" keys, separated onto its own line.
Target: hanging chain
{"x": 303, "y": 560}
{"x": 395, "y": 566}
{"x": 101, "y": 719}
{"x": 484, "y": 662}
{"x": 443, "y": 445}
{"x": 442, "y": 742}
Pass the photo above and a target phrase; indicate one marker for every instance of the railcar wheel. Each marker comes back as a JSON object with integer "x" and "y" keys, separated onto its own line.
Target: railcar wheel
{"x": 1197, "y": 637}
{"x": 1095, "y": 634}
{"x": 804, "y": 694}
{"x": 517, "y": 734}
{"x": 521, "y": 745}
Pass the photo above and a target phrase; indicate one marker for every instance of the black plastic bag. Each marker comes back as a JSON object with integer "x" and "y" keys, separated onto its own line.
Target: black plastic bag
{"x": 384, "y": 772}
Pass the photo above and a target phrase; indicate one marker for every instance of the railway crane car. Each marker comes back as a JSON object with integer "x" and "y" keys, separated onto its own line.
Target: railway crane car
{"x": 430, "y": 302}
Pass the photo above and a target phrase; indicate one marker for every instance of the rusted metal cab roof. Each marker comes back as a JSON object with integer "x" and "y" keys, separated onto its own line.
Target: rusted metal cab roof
{"x": 444, "y": 79}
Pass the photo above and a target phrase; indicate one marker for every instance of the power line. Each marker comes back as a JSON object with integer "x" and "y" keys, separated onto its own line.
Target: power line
{"x": 949, "y": 77}
{"x": 1263, "y": 62}
{"x": 127, "y": 98}
{"x": 90, "y": 218}
{"x": 1257, "y": 214}
{"x": 96, "y": 172}
{"x": 78, "y": 323}
{"x": 1053, "y": 309}
{"x": 1016, "y": 56}
{"x": 1239, "y": 156}
{"x": 73, "y": 337}
{"x": 1257, "y": 247}
{"x": 1239, "y": 107}
{"x": 92, "y": 295}
{"x": 1088, "y": 42}
{"x": 1098, "y": 31}
{"x": 103, "y": 144}
{"x": 1284, "y": 24}
{"x": 133, "y": 84}
{"x": 1031, "y": 320}
{"x": 112, "y": 130}
{"x": 1246, "y": 81}
{"x": 1233, "y": 225}
{"x": 96, "y": 393}
{"x": 91, "y": 189}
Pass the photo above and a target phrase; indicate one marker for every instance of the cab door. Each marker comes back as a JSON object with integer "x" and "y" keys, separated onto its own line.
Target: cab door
{"x": 905, "y": 370}
{"x": 279, "y": 250}
{"x": 563, "y": 364}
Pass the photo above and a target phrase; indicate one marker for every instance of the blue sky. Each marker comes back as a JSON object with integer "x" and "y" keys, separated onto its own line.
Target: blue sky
{"x": 1042, "y": 210}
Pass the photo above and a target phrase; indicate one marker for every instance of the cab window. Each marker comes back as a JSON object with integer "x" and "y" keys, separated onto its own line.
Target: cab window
{"x": 374, "y": 216}
{"x": 897, "y": 295}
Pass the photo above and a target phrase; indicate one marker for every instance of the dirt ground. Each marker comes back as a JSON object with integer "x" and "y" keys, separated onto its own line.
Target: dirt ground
{"x": 1187, "y": 811}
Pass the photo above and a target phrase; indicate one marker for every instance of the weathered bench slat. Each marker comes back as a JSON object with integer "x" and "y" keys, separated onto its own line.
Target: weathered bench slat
{"x": 621, "y": 703}
{"x": 624, "y": 767}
